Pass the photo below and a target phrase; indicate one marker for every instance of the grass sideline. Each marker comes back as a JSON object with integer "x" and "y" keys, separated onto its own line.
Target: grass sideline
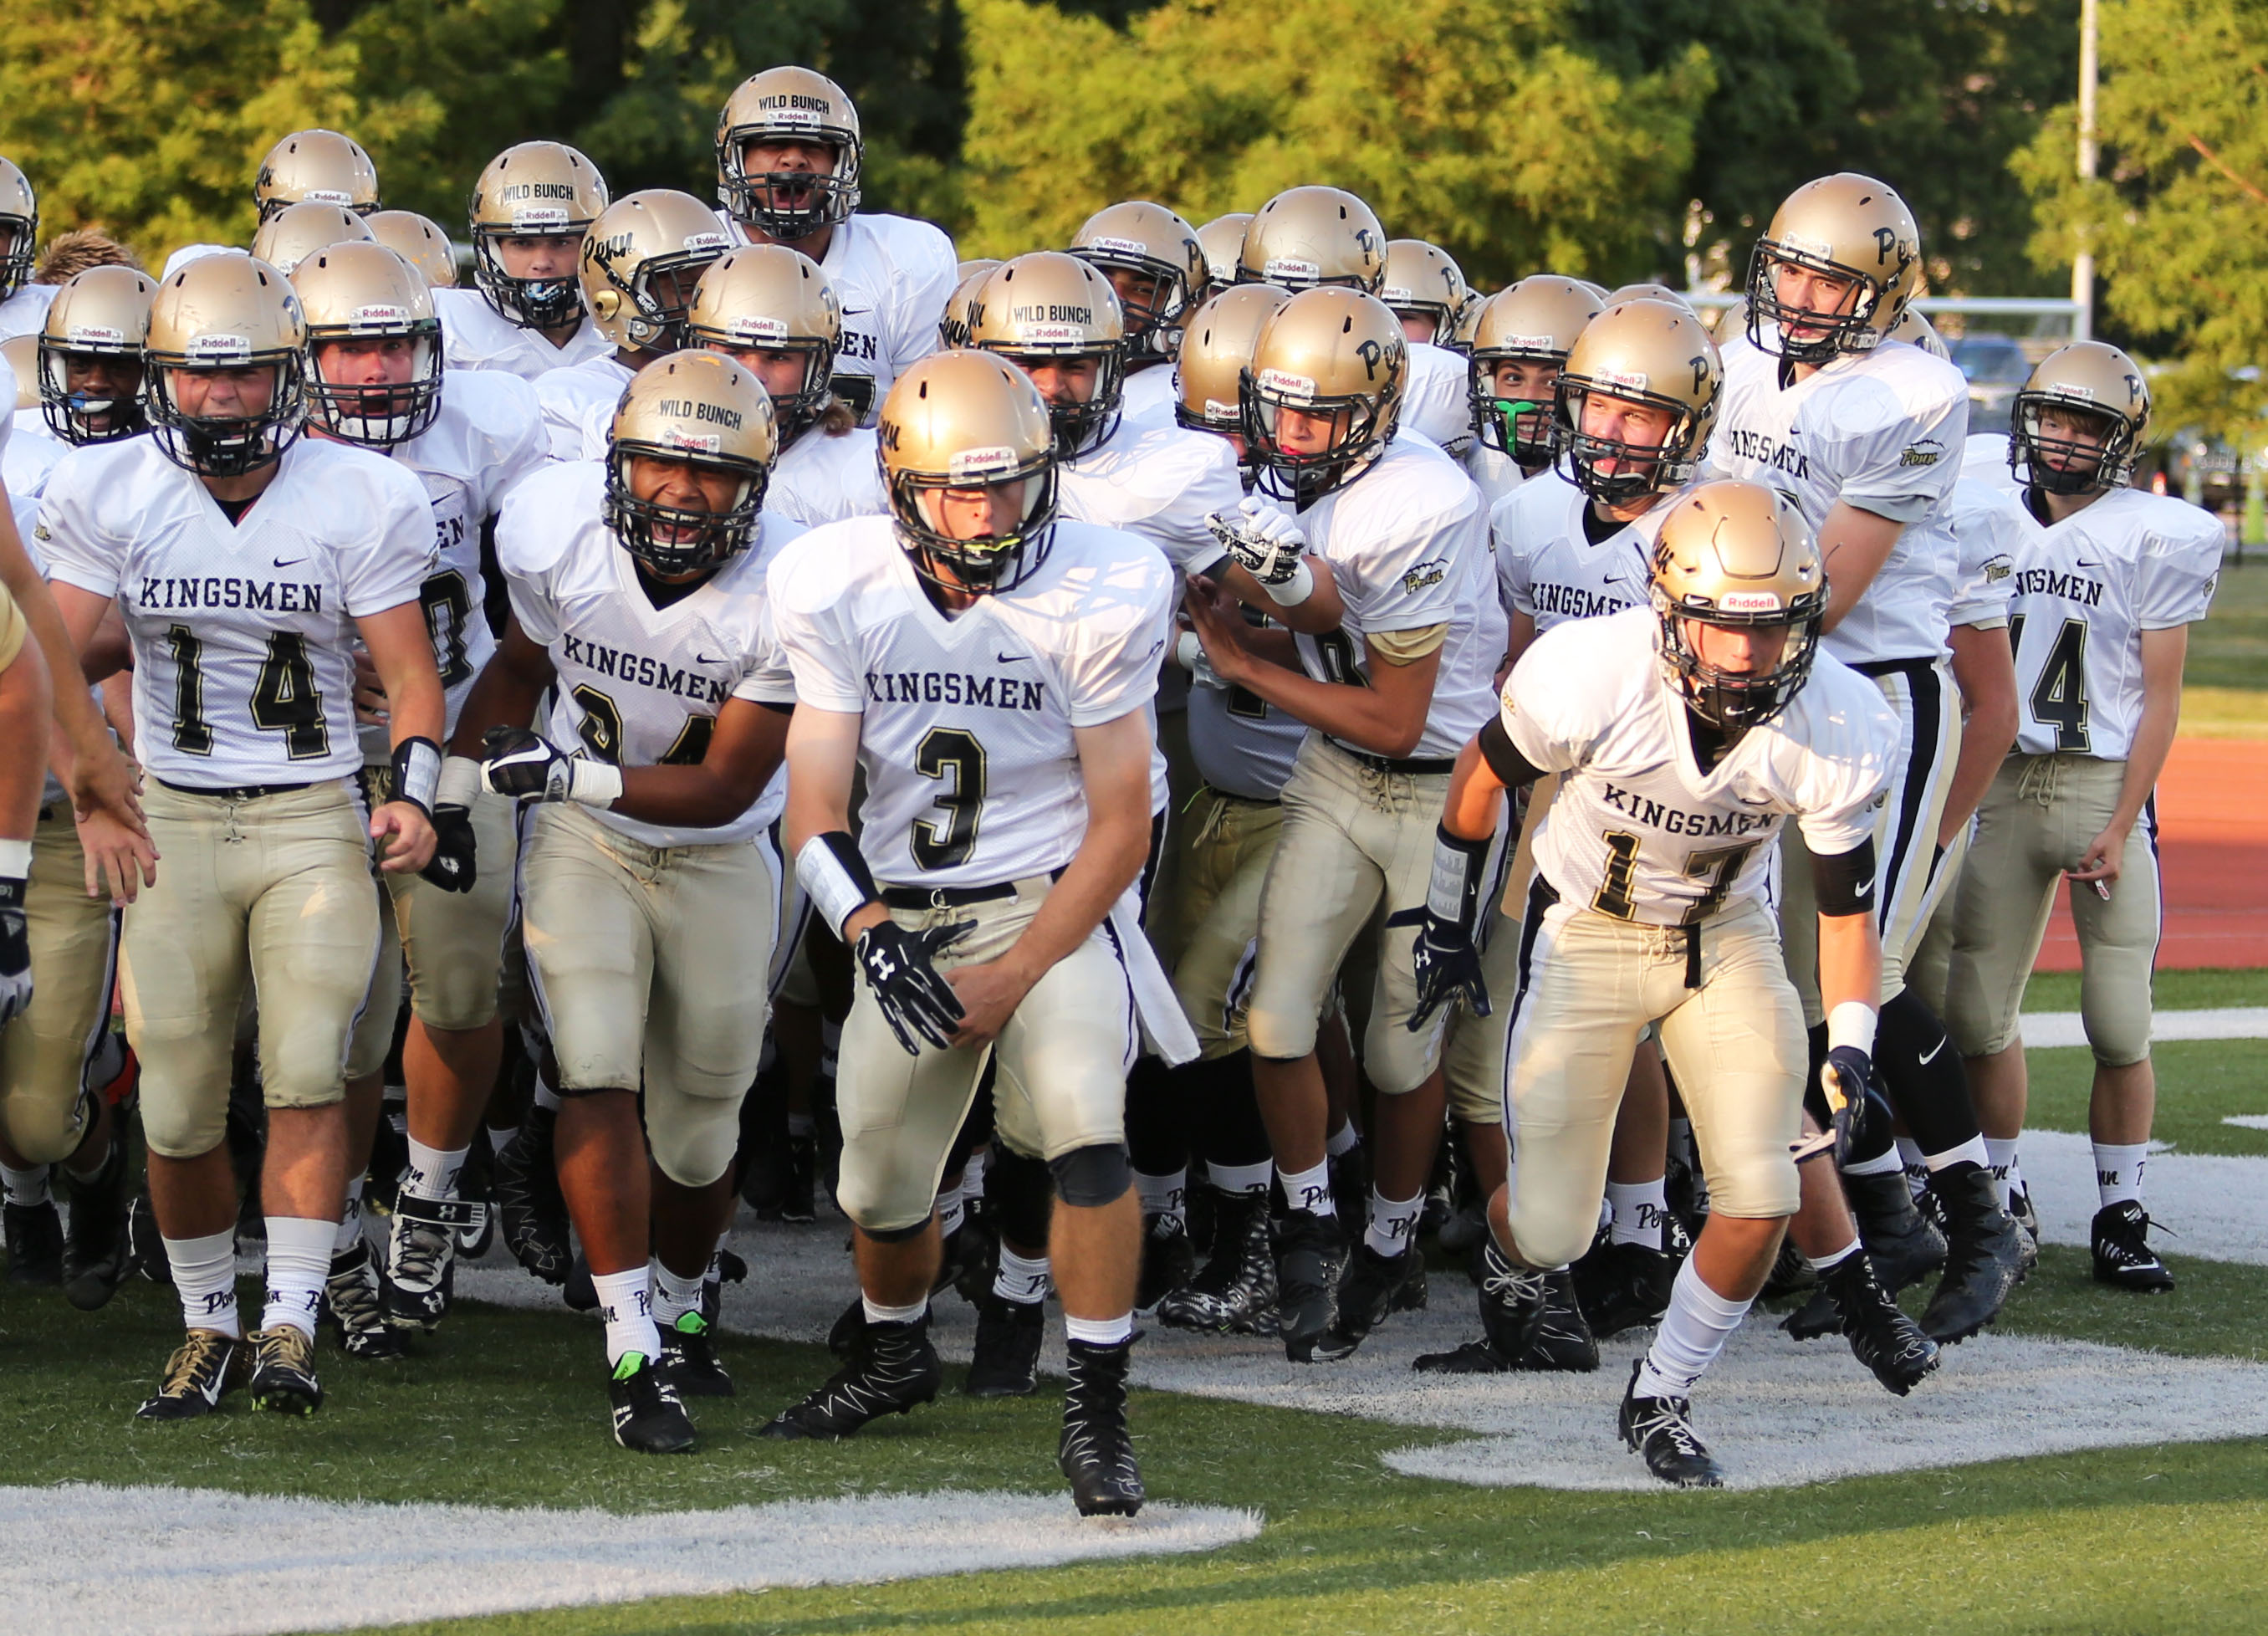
{"x": 2229, "y": 649}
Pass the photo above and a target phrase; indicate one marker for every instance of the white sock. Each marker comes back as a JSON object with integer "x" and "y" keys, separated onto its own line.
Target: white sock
{"x": 1693, "y": 1331}
{"x": 672, "y": 1296}
{"x": 545, "y": 1096}
{"x": 2003, "y": 1156}
{"x": 1917, "y": 1166}
{"x": 1885, "y": 1163}
{"x": 1311, "y": 1189}
{"x": 1242, "y": 1178}
{"x": 433, "y": 1171}
{"x": 1342, "y": 1141}
{"x": 204, "y": 1277}
{"x": 626, "y": 1307}
{"x": 1820, "y": 1264}
{"x": 893, "y": 1314}
{"x": 1639, "y": 1208}
{"x": 1099, "y": 1331}
{"x": 498, "y": 1140}
{"x": 1393, "y": 1222}
{"x": 1163, "y": 1195}
{"x": 951, "y": 1212}
{"x": 26, "y": 1189}
{"x": 972, "y": 1175}
{"x": 1023, "y": 1280}
{"x": 1971, "y": 1151}
{"x": 2118, "y": 1170}
{"x": 394, "y": 1104}
{"x": 349, "y": 1233}
{"x": 299, "y": 1261}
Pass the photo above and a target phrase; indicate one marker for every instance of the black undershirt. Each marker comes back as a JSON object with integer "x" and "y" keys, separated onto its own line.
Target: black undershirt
{"x": 1709, "y": 741}
{"x": 663, "y": 595}
{"x": 1597, "y": 529}
{"x": 234, "y": 510}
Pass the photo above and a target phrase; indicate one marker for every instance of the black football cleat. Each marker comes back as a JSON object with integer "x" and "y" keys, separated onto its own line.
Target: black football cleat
{"x": 1234, "y": 1292}
{"x": 1903, "y": 1245}
{"x": 1095, "y": 1452}
{"x": 1883, "y": 1338}
{"x": 1512, "y": 1303}
{"x": 352, "y": 1306}
{"x": 1007, "y": 1360}
{"x": 1168, "y": 1259}
{"x": 530, "y": 1210}
{"x": 204, "y": 1367}
{"x": 1660, "y": 1430}
{"x": 1309, "y": 1252}
{"x": 282, "y": 1370}
{"x": 896, "y": 1371}
{"x": 1564, "y": 1343}
{"x": 96, "y": 1254}
{"x": 1622, "y": 1287}
{"x": 2120, "y": 1239}
{"x": 1371, "y": 1287}
{"x": 688, "y": 1359}
{"x": 648, "y": 1416}
{"x": 1983, "y": 1257}
{"x": 419, "y": 1275}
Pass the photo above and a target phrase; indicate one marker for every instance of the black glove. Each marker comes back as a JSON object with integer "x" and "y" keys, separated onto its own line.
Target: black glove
{"x": 1848, "y": 1080}
{"x": 15, "y": 951}
{"x": 915, "y": 998}
{"x": 454, "y": 868}
{"x": 1446, "y": 964}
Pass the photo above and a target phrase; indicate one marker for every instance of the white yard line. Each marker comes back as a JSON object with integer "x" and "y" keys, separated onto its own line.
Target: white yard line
{"x": 2048, "y": 1029}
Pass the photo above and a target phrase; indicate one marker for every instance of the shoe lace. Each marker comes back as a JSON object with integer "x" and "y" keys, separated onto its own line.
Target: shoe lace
{"x": 420, "y": 1252}
{"x": 352, "y": 1291}
{"x": 284, "y": 1346}
{"x": 1507, "y": 1284}
{"x": 193, "y": 1361}
{"x": 1665, "y": 1417}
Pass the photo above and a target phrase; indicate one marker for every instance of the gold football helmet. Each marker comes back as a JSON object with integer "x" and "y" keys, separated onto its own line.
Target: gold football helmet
{"x": 769, "y": 299}
{"x": 353, "y": 295}
{"x": 95, "y": 328}
{"x": 1309, "y": 236}
{"x": 1644, "y": 352}
{"x": 297, "y": 232}
{"x": 418, "y": 240}
{"x": 1916, "y": 331}
{"x": 1737, "y": 555}
{"x": 953, "y": 323}
{"x": 1645, "y": 292}
{"x": 1046, "y": 307}
{"x": 1854, "y": 232}
{"x": 789, "y": 105}
{"x": 1222, "y": 240}
{"x": 1537, "y": 322}
{"x": 2087, "y": 385}
{"x": 642, "y": 258}
{"x": 1423, "y": 284}
{"x": 1155, "y": 263}
{"x": 694, "y": 409}
{"x": 534, "y": 190}
{"x": 1216, "y": 351}
{"x": 968, "y": 421}
{"x": 315, "y": 168}
{"x": 1322, "y": 394}
{"x": 23, "y": 354}
{"x": 19, "y": 228}
{"x": 225, "y": 312}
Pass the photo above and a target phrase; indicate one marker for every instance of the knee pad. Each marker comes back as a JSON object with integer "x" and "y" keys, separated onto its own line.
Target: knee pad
{"x": 46, "y": 1130}
{"x": 693, "y": 1137}
{"x": 1016, "y": 1187}
{"x": 1091, "y": 1177}
{"x": 897, "y": 1235}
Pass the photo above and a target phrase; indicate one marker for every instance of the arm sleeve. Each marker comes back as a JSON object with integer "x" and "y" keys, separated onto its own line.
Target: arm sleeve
{"x": 2180, "y": 571}
{"x": 1842, "y": 883}
{"x": 1114, "y": 668}
{"x": 1901, "y": 461}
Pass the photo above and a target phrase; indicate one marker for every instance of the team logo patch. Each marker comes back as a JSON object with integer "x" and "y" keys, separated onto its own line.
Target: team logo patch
{"x": 218, "y": 348}
{"x": 1281, "y": 383}
{"x": 1748, "y": 602}
{"x": 758, "y": 328}
{"x": 1927, "y": 451}
{"x": 1426, "y": 573}
{"x": 94, "y": 335}
{"x": 982, "y": 465}
{"x": 538, "y": 217}
{"x": 1280, "y": 269}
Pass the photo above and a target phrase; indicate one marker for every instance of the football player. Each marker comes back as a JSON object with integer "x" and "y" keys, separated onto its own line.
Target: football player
{"x": 969, "y": 278}
{"x": 649, "y": 882}
{"x": 90, "y": 356}
{"x": 246, "y": 560}
{"x": 1222, "y": 240}
{"x": 418, "y": 240}
{"x": 2105, "y": 594}
{"x": 1865, "y": 434}
{"x": 1373, "y": 554}
{"x": 640, "y": 262}
{"x": 1425, "y": 289}
{"x": 772, "y": 310}
{"x": 315, "y": 167}
{"x": 789, "y": 161}
{"x": 1156, "y": 266}
{"x": 375, "y": 380}
{"x": 297, "y": 231}
{"x": 989, "y": 668}
{"x": 524, "y": 313}
{"x": 1521, "y": 336}
{"x": 23, "y": 304}
{"x": 1711, "y": 715}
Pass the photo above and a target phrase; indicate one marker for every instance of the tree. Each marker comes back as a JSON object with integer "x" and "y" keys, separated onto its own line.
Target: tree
{"x": 2178, "y": 217}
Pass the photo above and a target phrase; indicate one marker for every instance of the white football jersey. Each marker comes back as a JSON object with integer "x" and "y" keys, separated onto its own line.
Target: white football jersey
{"x": 2087, "y": 588}
{"x": 1150, "y": 395}
{"x": 1548, "y": 567}
{"x": 640, "y": 686}
{"x": 894, "y": 273}
{"x": 475, "y": 336}
{"x": 22, "y": 312}
{"x": 972, "y": 767}
{"x": 1439, "y": 402}
{"x": 243, "y": 634}
{"x": 1990, "y": 528}
{"x": 1159, "y": 482}
{"x": 579, "y": 405}
{"x": 1985, "y": 458}
{"x": 1408, "y": 547}
{"x": 820, "y": 478}
{"x": 1882, "y": 431}
{"x": 1241, "y": 743}
{"x": 26, "y": 460}
{"x": 488, "y": 435}
{"x": 1637, "y": 831}
{"x": 1494, "y": 473}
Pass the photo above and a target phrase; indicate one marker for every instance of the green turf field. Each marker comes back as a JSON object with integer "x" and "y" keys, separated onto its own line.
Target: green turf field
{"x": 2230, "y": 650}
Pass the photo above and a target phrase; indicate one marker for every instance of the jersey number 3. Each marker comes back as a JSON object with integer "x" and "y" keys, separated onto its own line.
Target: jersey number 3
{"x": 953, "y": 753}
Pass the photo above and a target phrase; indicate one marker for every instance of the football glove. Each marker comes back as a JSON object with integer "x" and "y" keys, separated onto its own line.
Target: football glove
{"x": 1262, "y": 541}
{"x": 916, "y": 1001}
{"x": 15, "y": 951}
{"x": 527, "y": 767}
{"x": 1848, "y": 1082}
{"x": 1444, "y": 959}
{"x": 454, "y": 868}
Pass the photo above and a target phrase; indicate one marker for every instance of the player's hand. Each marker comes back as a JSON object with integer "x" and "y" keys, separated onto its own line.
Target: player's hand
{"x": 1446, "y": 964}
{"x": 1848, "y": 1080}
{"x": 1190, "y": 655}
{"x": 103, "y": 780}
{"x": 15, "y": 950}
{"x": 1260, "y": 539}
{"x": 119, "y": 862}
{"x": 369, "y": 691}
{"x": 916, "y": 1001}
{"x": 405, "y": 838}
{"x": 989, "y": 993}
{"x": 454, "y": 868}
{"x": 2101, "y": 860}
{"x": 1217, "y": 618}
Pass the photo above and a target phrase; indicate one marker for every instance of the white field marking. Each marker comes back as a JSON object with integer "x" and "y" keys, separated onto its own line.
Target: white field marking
{"x": 2046, "y": 1031}
{"x": 2247, "y": 1121}
{"x": 151, "y": 1561}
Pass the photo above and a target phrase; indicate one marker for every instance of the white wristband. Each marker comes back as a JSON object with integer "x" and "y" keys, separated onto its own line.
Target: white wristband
{"x": 594, "y": 783}
{"x": 15, "y": 860}
{"x": 460, "y": 781}
{"x": 837, "y": 892}
{"x": 1851, "y": 1023}
{"x": 1294, "y": 591}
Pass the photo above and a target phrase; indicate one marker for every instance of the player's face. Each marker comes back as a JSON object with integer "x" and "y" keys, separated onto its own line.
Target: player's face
{"x": 223, "y": 394}
{"x": 99, "y": 377}
{"x": 1416, "y": 326}
{"x": 1639, "y": 425}
{"x": 673, "y": 288}
{"x": 1526, "y": 380}
{"x": 993, "y": 512}
{"x": 372, "y": 361}
{"x": 1137, "y": 292}
{"x": 1808, "y": 291}
{"x": 546, "y": 255}
{"x": 784, "y": 160}
{"x": 779, "y": 373}
{"x": 683, "y": 487}
{"x": 1062, "y": 380}
{"x": 2071, "y": 442}
{"x": 1737, "y": 650}
{"x": 1311, "y": 432}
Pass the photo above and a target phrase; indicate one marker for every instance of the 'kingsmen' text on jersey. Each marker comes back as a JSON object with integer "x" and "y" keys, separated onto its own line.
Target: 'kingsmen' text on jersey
{"x": 1408, "y": 549}
{"x": 640, "y": 686}
{"x": 822, "y": 478}
{"x": 2087, "y": 588}
{"x": 579, "y": 405}
{"x": 1881, "y": 430}
{"x": 1547, "y": 566}
{"x": 487, "y": 436}
{"x": 1637, "y": 831}
{"x": 243, "y": 634}
{"x": 475, "y": 336}
{"x": 972, "y": 767}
